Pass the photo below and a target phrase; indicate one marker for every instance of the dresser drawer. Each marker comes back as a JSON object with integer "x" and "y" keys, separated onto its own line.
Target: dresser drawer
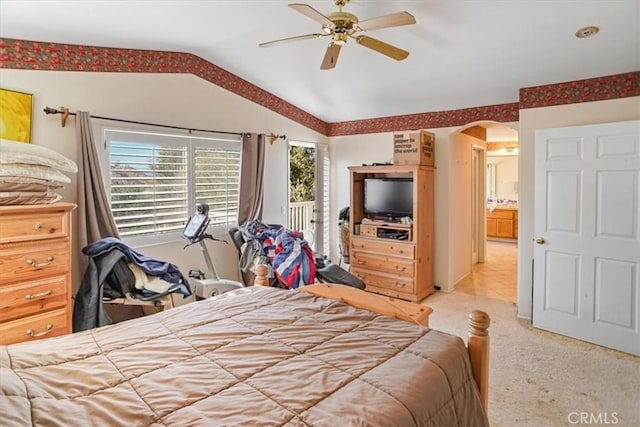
{"x": 368, "y": 230}
{"x": 22, "y": 226}
{"x": 394, "y": 265}
{"x": 20, "y": 263}
{"x": 30, "y": 298}
{"x": 45, "y": 325}
{"x": 382, "y": 280}
{"x": 388, "y": 246}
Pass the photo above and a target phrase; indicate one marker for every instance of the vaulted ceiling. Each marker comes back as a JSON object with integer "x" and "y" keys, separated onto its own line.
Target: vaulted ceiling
{"x": 462, "y": 53}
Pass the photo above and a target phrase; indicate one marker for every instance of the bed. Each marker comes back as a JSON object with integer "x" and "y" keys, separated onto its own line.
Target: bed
{"x": 254, "y": 356}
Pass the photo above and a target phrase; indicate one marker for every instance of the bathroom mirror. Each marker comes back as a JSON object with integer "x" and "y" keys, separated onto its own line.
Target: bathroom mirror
{"x": 502, "y": 179}
{"x": 491, "y": 181}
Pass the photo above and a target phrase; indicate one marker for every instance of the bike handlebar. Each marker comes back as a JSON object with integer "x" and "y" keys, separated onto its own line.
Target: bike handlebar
{"x": 203, "y": 237}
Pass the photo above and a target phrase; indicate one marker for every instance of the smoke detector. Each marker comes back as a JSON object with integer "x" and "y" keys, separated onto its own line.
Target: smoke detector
{"x": 585, "y": 32}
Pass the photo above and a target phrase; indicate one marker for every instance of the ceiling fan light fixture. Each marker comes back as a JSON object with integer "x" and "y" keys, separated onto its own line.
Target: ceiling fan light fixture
{"x": 340, "y": 38}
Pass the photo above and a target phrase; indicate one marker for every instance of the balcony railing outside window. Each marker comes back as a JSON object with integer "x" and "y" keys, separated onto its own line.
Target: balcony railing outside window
{"x": 300, "y": 215}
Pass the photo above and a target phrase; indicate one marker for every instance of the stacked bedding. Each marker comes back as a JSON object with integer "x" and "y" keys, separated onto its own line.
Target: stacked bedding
{"x": 31, "y": 174}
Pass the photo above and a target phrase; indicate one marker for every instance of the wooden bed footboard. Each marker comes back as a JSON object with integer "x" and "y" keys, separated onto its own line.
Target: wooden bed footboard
{"x": 477, "y": 340}
{"x": 400, "y": 309}
{"x": 478, "y": 346}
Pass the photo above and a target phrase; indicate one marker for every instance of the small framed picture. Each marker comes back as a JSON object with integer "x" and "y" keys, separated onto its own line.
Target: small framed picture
{"x": 15, "y": 115}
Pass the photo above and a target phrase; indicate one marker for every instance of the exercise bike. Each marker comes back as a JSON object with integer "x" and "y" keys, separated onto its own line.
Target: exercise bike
{"x": 195, "y": 232}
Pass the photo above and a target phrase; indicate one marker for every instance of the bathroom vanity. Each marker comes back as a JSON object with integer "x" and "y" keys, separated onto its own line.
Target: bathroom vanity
{"x": 502, "y": 222}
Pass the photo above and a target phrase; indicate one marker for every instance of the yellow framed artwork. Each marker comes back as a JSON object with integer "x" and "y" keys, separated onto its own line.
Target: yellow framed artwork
{"x": 15, "y": 115}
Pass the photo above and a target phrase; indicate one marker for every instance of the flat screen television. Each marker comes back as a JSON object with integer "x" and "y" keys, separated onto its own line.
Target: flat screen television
{"x": 389, "y": 197}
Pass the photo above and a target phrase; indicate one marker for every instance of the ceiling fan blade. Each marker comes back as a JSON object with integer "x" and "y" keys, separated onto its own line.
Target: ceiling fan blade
{"x": 307, "y": 10}
{"x": 331, "y": 56}
{"x": 291, "y": 39}
{"x": 386, "y": 21}
{"x": 382, "y": 47}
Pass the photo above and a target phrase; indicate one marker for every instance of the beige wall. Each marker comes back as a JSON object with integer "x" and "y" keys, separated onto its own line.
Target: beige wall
{"x": 452, "y": 202}
{"x": 460, "y": 212}
{"x": 451, "y": 245}
{"x": 345, "y": 151}
{"x": 186, "y": 100}
{"x": 551, "y": 117}
{"x": 175, "y": 99}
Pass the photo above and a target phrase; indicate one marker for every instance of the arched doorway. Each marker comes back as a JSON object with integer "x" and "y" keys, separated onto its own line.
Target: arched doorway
{"x": 482, "y": 262}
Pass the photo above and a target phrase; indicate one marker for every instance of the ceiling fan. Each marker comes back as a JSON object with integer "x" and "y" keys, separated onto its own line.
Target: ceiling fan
{"x": 342, "y": 25}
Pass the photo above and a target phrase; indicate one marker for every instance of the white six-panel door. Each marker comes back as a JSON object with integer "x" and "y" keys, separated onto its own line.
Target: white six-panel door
{"x": 587, "y": 236}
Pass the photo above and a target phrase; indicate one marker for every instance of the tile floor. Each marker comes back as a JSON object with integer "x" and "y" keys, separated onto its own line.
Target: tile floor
{"x": 497, "y": 277}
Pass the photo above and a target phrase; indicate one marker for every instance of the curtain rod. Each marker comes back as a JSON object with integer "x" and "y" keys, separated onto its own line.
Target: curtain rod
{"x": 65, "y": 113}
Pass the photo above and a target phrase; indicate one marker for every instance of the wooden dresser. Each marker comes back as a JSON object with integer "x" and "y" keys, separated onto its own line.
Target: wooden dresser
{"x": 389, "y": 265}
{"x": 35, "y": 272}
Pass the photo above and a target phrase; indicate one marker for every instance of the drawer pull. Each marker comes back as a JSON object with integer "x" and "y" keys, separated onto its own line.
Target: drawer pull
{"x": 361, "y": 262}
{"x": 398, "y": 268}
{"x": 35, "y": 334}
{"x": 38, "y": 226}
{"x": 400, "y": 285}
{"x": 36, "y": 266}
{"x": 41, "y": 294}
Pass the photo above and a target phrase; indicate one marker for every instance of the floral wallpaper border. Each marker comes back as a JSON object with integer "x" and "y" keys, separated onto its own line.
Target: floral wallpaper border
{"x": 34, "y": 55}
{"x": 498, "y": 113}
{"x": 588, "y": 90}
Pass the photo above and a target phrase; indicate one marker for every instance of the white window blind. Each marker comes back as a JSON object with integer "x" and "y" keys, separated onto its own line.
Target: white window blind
{"x": 156, "y": 180}
{"x": 217, "y": 182}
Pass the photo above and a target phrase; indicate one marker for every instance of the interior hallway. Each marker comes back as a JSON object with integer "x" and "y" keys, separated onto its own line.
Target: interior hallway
{"x": 497, "y": 277}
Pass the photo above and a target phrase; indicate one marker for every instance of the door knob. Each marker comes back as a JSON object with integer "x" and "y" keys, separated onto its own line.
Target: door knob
{"x": 540, "y": 240}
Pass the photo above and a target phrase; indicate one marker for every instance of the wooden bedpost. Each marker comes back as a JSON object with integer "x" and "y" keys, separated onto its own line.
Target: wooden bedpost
{"x": 478, "y": 346}
{"x": 261, "y": 275}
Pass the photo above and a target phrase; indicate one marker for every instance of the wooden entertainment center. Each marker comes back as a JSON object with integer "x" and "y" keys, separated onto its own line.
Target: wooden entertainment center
{"x": 393, "y": 257}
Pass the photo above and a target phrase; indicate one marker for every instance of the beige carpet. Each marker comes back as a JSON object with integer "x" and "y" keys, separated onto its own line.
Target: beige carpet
{"x": 542, "y": 379}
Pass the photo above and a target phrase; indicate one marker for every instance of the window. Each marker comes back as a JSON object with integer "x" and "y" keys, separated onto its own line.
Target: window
{"x": 156, "y": 180}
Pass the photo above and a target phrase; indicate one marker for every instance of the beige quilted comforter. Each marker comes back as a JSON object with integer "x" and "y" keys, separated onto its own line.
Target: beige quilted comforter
{"x": 256, "y": 356}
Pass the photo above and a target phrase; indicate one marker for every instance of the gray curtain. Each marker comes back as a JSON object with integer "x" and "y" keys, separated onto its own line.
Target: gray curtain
{"x": 251, "y": 178}
{"x": 95, "y": 220}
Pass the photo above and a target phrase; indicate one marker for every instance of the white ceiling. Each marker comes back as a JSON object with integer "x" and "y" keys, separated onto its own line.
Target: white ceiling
{"x": 464, "y": 53}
